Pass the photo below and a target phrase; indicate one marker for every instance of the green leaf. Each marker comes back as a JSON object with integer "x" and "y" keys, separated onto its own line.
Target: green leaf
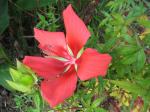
{"x": 2, "y": 53}
{"x": 4, "y": 17}
{"x": 27, "y": 80}
{"x": 127, "y": 50}
{"x": 129, "y": 59}
{"x": 110, "y": 43}
{"x": 26, "y": 70}
{"x": 140, "y": 60}
{"x": 23, "y": 68}
{"x": 24, "y": 79}
{"x": 42, "y": 18}
{"x": 144, "y": 82}
{"x": 18, "y": 86}
{"x": 15, "y": 74}
{"x": 99, "y": 110}
{"x": 5, "y": 75}
{"x": 128, "y": 86}
{"x": 119, "y": 20}
{"x": 145, "y": 23}
{"x": 96, "y": 102}
{"x": 32, "y": 4}
{"x": 101, "y": 83}
{"x": 137, "y": 11}
{"x": 129, "y": 39}
{"x": 38, "y": 101}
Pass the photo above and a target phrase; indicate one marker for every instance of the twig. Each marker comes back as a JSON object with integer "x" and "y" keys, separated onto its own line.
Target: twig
{"x": 28, "y": 36}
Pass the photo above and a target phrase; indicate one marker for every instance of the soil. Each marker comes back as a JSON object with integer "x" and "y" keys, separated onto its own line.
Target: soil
{"x": 6, "y": 101}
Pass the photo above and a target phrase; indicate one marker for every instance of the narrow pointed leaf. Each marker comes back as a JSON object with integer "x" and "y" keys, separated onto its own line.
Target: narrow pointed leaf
{"x": 18, "y": 86}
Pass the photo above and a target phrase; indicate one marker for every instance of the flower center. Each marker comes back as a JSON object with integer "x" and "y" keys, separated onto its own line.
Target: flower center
{"x": 71, "y": 61}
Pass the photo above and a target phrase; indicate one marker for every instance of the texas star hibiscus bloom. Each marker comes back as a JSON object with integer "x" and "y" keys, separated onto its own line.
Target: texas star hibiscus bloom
{"x": 64, "y": 60}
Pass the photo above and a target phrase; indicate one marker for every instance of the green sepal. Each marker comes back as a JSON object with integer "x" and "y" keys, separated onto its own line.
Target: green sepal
{"x": 19, "y": 87}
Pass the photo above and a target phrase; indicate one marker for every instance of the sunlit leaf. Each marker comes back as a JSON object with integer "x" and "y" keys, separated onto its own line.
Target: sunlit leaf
{"x": 96, "y": 102}
{"x": 15, "y": 74}
{"x": 18, "y": 86}
{"x": 26, "y": 80}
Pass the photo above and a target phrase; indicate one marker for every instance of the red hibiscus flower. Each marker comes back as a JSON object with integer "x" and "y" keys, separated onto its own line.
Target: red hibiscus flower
{"x": 64, "y": 60}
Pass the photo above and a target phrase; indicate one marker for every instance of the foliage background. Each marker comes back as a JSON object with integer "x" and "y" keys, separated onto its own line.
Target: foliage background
{"x": 119, "y": 27}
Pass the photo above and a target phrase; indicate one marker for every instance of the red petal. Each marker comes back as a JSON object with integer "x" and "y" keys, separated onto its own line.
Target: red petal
{"x": 76, "y": 31}
{"x": 53, "y": 43}
{"x": 50, "y": 38}
{"x": 56, "y": 91}
{"x": 55, "y": 51}
{"x": 92, "y": 64}
{"x": 44, "y": 67}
